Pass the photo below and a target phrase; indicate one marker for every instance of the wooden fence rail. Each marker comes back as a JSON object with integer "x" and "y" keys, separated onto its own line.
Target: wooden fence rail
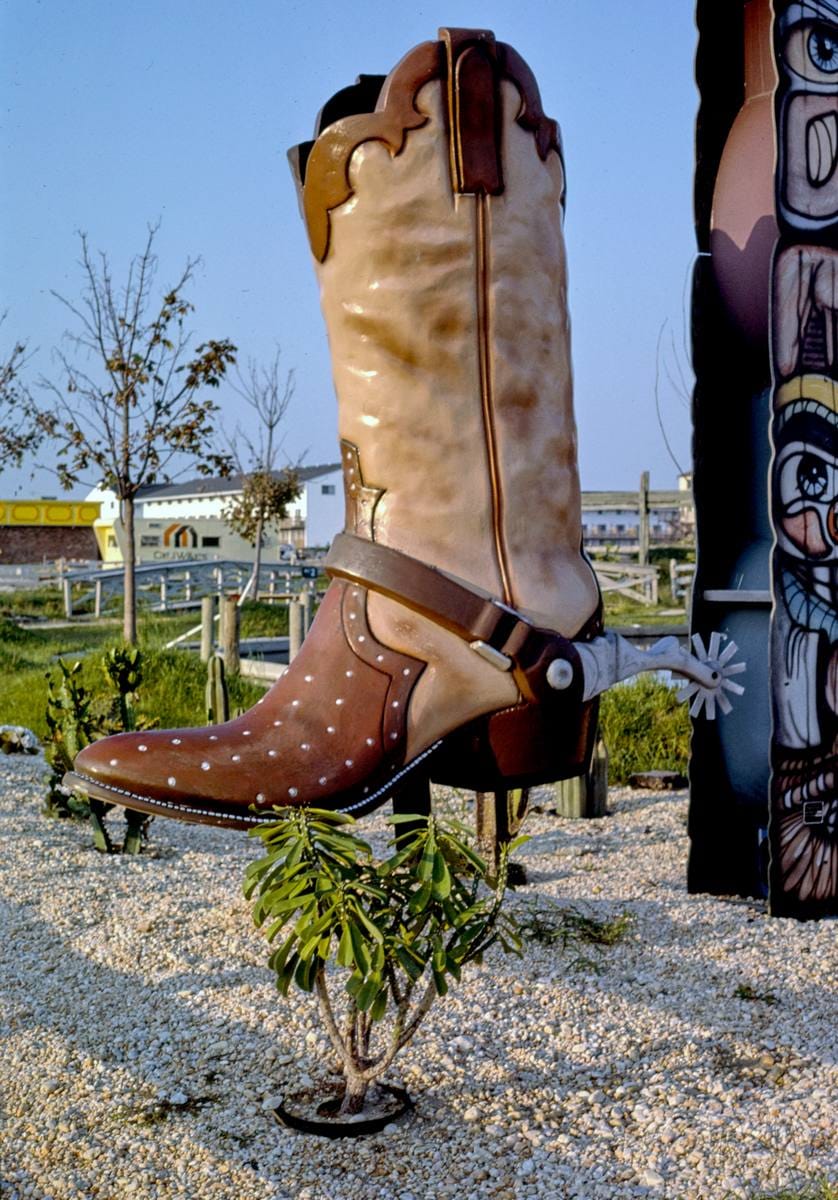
{"x": 178, "y": 585}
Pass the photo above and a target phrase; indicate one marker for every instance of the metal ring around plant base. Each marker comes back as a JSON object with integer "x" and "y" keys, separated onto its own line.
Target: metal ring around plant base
{"x": 331, "y": 1127}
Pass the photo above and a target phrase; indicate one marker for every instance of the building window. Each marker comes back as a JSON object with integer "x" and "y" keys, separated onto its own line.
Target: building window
{"x": 327, "y": 489}
{"x": 210, "y": 541}
{"x": 148, "y": 539}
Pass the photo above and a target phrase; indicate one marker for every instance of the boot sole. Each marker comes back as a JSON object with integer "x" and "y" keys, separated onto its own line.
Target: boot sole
{"x": 225, "y": 818}
{"x": 518, "y": 747}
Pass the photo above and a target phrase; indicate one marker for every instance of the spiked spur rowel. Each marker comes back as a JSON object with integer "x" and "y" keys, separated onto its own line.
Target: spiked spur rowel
{"x": 721, "y": 662}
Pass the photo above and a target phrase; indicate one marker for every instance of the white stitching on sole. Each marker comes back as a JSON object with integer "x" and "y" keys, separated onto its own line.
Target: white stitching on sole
{"x": 257, "y": 818}
{"x": 399, "y": 775}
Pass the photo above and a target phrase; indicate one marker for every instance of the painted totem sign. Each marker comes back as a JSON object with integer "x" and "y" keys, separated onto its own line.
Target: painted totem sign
{"x": 763, "y": 779}
{"x": 804, "y": 488}
{"x": 736, "y": 231}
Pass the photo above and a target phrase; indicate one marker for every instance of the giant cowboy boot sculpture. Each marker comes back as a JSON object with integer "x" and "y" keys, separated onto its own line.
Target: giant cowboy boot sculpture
{"x": 445, "y": 644}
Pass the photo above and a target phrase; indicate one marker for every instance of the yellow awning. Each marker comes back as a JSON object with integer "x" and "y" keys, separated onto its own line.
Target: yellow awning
{"x": 61, "y": 513}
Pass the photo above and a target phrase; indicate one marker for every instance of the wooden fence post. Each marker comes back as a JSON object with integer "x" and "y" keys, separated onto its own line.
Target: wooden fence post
{"x": 230, "y": 616}
{"x": 207, "y": 622}
{"x": 498, "y": 817}
{"x": 296, "y": 627}
{"x": 643, "y": 526}
{"x": 307, "y": 605}
{"x": 586, "y": 795}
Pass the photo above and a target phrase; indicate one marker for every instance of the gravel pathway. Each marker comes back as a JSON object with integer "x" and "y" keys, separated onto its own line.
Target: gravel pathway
{"x": 143, "y": 1042}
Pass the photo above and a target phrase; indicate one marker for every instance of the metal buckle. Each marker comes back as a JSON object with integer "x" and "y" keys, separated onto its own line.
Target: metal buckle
{"x": 814, "y": 812}
{"x": 501, "y": 662}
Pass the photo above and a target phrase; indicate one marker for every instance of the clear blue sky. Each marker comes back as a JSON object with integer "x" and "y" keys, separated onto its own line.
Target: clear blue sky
{"x": 115, "y": 115}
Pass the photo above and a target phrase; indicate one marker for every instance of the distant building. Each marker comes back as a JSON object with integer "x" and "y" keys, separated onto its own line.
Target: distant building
{"x": 39, "y": 531}
{"x": 313, "y": 518}
{"x": 612, "y": 519}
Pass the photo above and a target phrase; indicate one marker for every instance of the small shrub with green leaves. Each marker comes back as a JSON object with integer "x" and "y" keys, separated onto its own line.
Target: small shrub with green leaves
{"x": 376, "y": 942}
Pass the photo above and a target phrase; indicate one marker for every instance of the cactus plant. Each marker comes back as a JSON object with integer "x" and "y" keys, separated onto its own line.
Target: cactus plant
{"x": 123, "y": 668}
{"x": 217, "y": 696}
{"x": 75, "y": 717}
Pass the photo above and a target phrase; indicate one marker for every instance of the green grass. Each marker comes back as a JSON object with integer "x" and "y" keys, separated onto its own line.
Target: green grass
{"x": 645, "y": 728}
{"x": 32, "y": 602}
{"x": 623, "y": 610}
{"x": 572, "y": 925}
{"x": 744, "y": 991}
{"x": 259, "y": 619}
{"x": 173, "y": 687}
{"x": 573, "y": 930}
{"x": 820, "y": 1189}
{"x": 643, "y": 724}
{"x": 174, "y": 680}
{"x": 620, "y": 611}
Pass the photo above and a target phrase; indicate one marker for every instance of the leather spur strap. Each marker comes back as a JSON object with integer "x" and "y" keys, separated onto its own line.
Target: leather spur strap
{"x": 497, "y": 632}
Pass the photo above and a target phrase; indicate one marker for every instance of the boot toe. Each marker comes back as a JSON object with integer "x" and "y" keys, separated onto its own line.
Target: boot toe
{"x": 330, "y": 733}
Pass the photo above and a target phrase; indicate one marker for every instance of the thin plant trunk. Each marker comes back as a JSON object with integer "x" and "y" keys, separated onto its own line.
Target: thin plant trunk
{"x": 354, "y": 1095}
{"x": 129, "y": 618}
{"x": 349, "y": 1047}
{"x": 257, "y": 559}
{"x": 352, "y": 1045}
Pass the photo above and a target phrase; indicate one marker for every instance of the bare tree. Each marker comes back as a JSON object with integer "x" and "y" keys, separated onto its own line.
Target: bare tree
{"x": 131, "y": 404}
{"x": 673, "y": 359}
{"x": 20, "y": 432}
{"x": 266, "y": 491}
{"x": 670, "y": 358}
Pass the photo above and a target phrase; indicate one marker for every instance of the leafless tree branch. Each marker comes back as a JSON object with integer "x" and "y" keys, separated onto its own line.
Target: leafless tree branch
{"x": 146, "y": 403}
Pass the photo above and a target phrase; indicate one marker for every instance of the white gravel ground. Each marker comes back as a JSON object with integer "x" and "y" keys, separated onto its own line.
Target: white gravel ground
{"x": 143, "y": 1041}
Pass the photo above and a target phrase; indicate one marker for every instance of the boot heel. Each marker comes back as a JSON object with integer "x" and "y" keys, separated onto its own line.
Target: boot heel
{"x": 520, "y": 747}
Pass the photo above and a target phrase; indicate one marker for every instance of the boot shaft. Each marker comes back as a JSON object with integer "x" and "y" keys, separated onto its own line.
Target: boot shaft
{"x": 436, "y": 222}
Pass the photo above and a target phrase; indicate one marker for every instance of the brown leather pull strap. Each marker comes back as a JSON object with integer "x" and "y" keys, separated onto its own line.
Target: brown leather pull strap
{"x": 458, "y": 607}
{"x": 473, "y": 110}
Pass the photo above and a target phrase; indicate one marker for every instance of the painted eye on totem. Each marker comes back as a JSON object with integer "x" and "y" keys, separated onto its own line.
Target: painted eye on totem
{"x": 812, "y": 52}
{"x": 805, "y": 476}
{"x": 812, "y": 477}
{"x": 822, "y": 47}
